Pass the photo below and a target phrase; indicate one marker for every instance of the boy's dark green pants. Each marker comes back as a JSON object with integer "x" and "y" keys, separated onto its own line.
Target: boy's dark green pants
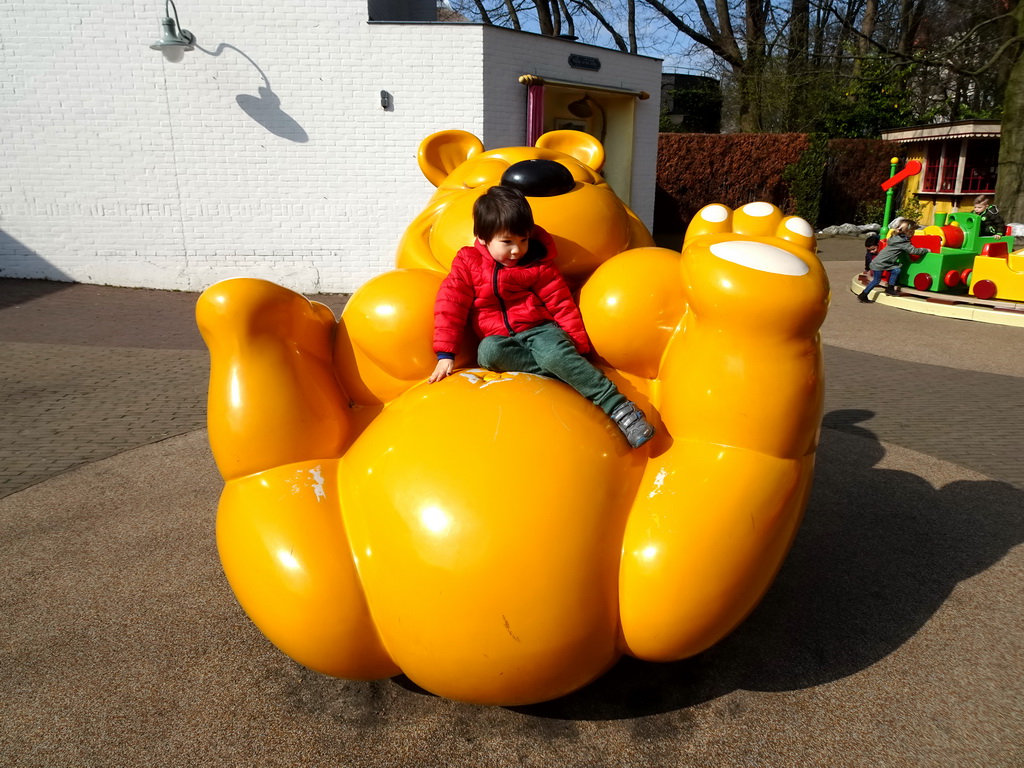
{"x": 548, "y": 350}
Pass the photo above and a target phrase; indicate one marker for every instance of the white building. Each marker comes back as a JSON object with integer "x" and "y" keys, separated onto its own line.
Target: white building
{"x": 283, "y": 146}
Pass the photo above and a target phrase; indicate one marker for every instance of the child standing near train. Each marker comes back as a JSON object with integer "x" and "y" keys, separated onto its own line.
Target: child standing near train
{"x": 897, "y": 248}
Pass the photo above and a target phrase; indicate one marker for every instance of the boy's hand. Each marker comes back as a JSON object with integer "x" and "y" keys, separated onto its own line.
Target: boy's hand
{"x": 442, "y": 370}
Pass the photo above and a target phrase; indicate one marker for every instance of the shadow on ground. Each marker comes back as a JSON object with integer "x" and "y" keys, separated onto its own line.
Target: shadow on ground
{"x": 16, "y": 292}
{"x": 878, "y": 553}
{"x": 117, "y": 616}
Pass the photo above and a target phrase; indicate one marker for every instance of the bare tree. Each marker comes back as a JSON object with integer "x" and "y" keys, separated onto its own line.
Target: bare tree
{"x": 844, "y": 67}
{"x": 512, "y": 14}
{"x": 589, "y": 7}
{"x": 1010, "y": 181}
{"x": 483, "y": 12}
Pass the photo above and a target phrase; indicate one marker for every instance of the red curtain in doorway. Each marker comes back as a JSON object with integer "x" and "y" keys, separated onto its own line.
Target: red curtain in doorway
{"x": 534, "y": 114}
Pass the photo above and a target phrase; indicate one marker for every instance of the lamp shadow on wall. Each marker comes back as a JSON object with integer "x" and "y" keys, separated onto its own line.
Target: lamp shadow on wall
{"x": 265, "y": 109}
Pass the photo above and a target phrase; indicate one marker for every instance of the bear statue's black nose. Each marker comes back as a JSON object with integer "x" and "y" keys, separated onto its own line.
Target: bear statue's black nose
{"x": 539, "y": 178}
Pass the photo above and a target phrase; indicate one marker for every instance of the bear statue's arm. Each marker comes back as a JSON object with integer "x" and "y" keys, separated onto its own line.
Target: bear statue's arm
{"x": 632, "y": 306}
{"x": 454, "y": 300}
{"x": 414, "y": 247}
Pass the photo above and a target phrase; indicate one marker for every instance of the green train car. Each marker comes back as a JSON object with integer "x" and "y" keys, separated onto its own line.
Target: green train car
{"x": 954, "y": 241}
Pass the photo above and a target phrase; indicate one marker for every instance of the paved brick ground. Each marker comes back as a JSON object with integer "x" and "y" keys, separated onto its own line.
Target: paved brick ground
{"x": 91, "y": 371}
{"x": 64, "y": 406}
{"x": 892, "y": 635}
{"x": 964, "y": 417}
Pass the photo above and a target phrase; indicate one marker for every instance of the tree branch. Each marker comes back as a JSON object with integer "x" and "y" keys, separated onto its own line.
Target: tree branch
{"x": 732, "y": 57}
{"x": 589, "y": 7}
{"x": 945, "y": 60}
{"x": 510, "y": 6}
{"x": 483, "y": 12}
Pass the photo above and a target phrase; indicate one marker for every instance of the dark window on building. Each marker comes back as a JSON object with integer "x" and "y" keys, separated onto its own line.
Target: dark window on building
{"x": 950, "y": 165}
{"x": 402, "y": 10}
{"x": 931, "y": 168}
{"x": 980, "y": 166}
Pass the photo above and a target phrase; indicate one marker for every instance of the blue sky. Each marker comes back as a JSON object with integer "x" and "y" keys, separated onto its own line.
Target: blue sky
{"x": 655, "y": 36}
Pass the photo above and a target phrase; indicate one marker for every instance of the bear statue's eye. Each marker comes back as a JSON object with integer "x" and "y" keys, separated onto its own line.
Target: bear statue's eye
{"x": 539, "y": 178}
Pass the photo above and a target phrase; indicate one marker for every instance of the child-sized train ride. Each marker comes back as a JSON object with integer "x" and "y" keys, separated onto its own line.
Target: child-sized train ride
{"x": 962, "y": 260}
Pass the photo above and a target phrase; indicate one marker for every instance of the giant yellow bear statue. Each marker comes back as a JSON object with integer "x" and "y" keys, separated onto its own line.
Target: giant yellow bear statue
{"x": 492, "y": 536}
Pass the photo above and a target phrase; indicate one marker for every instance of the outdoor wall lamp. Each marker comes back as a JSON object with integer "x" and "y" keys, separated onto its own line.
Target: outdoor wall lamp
{"x": 582, "y": 108}
{"x": 174, "y": 40}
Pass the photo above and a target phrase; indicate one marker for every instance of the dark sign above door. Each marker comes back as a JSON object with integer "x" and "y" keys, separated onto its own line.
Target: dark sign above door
{"x": 584, "y": 62}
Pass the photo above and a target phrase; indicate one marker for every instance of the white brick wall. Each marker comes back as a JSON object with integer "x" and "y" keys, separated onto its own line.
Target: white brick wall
{"x": 119, "y": 168}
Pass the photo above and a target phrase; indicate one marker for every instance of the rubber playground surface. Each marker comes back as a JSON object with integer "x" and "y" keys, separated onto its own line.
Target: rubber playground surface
{"x": 893, "y": 636}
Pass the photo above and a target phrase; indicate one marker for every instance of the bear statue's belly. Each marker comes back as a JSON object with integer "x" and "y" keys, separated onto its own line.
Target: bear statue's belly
{"x": 486, "y": 515}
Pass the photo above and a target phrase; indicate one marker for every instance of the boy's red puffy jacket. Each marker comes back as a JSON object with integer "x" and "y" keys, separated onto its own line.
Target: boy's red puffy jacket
{"x": 500, "y": 301}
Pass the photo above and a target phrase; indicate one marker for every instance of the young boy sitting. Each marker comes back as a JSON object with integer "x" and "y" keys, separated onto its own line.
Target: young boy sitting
{"x": 508, "y": 286}
{"x": 992, "y": 224}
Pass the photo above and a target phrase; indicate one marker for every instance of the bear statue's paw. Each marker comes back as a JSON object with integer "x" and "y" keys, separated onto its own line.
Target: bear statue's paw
{"x": 754, "y": 272}
{"x": 754, "y": 220}
{"x": 273, "y": 397}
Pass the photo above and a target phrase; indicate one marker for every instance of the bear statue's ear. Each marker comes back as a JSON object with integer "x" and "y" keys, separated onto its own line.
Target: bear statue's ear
{"x": 444, "y": 151}
{"x": 582, "y": 146}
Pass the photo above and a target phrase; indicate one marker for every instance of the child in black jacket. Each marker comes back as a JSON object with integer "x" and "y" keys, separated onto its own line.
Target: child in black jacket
{"x": 992, "y": 224}
{"x": 870, "y": 250}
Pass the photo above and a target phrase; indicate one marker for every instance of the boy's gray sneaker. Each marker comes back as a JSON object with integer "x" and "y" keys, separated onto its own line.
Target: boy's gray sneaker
{"x": 634, "y": 425}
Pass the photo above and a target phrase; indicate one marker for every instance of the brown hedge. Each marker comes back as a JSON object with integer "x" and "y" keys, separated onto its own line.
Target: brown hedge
{"x": 856, "y": 169}
{"x": 697, "y": 169}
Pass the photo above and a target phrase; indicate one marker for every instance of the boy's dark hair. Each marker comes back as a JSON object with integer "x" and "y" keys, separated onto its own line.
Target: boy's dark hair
{"x": 871, "y": 240}
{"x": 502, "y": 209}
